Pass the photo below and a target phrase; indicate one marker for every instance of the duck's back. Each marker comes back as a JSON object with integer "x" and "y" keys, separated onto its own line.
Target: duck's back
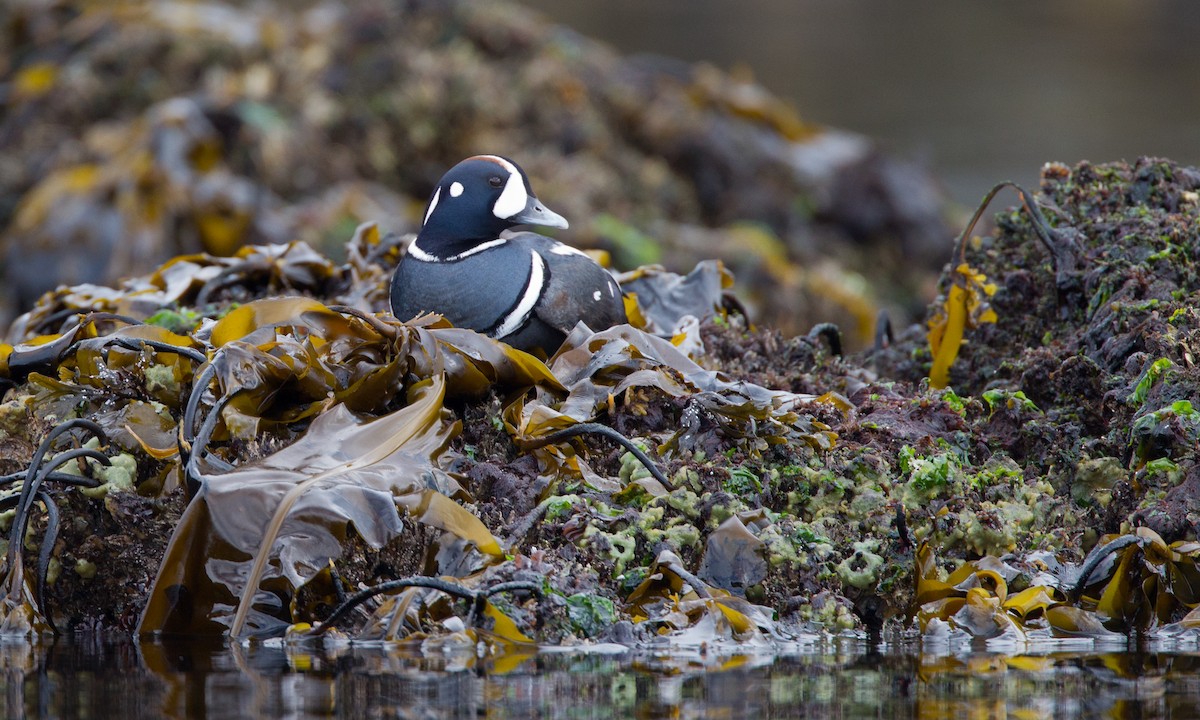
{"x": 474, "y": 292}
{"x": 525, "y": 289}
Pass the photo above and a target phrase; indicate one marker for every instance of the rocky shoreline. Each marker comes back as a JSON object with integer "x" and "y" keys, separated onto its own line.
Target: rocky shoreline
{"x": 259, "y": 424}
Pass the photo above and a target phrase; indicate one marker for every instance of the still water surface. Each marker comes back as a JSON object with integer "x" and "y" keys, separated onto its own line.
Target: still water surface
{"x": 841, "y": 679}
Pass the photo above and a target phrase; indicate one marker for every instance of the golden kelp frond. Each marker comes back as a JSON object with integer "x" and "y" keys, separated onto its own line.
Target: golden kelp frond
{"x": 965, "y": 307}
{"x": 703, "y": 613}
{"x": 292, "y": 312}
{"x": 1128, "y": 583}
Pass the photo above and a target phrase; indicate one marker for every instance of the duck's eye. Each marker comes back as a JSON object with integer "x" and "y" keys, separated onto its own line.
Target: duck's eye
{"x": 495, "y": 181}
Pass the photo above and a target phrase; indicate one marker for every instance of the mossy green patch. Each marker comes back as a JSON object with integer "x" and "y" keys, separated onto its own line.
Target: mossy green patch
{"x": 591, "y": 614}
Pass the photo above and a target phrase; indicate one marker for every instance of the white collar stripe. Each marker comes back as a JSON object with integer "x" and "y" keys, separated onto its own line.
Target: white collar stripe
{"x": 533, "y": 292}
{"x": 478, "y": 249}
{"x": 420, "y": 254}
{"x": 416, "y": 251}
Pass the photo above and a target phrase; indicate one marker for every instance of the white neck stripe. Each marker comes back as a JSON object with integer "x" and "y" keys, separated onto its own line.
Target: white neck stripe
{"x": 533, "y": 292}
{"x": 420, "y": 254}
{"x": 479, "y": 248}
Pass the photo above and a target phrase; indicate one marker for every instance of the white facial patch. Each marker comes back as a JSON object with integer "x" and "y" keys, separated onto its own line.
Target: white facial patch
{"x": 533, "y": 292}
{"x": 432, "y": 204}
{"x": 596, "y": 296}
{"x": 513, "y": 199}
{"x": 456, "y": 189}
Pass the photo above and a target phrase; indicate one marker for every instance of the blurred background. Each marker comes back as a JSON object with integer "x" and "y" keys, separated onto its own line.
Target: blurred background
{"x": 981, "y": 92}
{"x": 827, "y": 152}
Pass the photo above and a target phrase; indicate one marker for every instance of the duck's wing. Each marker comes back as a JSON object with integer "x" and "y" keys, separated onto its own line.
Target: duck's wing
{"x": 577, "y": 288}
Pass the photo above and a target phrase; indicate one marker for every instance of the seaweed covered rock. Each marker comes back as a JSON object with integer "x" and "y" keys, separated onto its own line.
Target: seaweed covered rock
{"x": 1093, "y": 371}
{"x": 457, "y": 480}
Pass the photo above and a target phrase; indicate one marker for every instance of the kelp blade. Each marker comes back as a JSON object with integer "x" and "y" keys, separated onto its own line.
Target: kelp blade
{"x": 238, "y": 539}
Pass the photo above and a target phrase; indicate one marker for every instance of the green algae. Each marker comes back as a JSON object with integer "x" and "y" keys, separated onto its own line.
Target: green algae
{"x": 861, "y": 568}
{"x": 85, "y": 569}
{"x": 161, "y": 380}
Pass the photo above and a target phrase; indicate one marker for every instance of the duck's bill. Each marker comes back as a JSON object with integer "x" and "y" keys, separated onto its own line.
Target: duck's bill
{"x": 535, "y": 213}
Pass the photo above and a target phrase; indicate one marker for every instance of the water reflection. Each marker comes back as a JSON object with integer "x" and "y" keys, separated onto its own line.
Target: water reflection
{"x": 177, "y": 680}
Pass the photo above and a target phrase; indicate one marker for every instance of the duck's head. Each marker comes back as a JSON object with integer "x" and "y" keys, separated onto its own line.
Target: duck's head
{"x": 478, "y": 199}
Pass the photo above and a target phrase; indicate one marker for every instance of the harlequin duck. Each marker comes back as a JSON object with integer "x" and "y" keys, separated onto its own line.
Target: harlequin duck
{"x": 525, "y": 289}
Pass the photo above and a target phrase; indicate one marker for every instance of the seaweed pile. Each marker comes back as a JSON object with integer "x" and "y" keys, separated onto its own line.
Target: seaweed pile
{"x": 300, "y": 463}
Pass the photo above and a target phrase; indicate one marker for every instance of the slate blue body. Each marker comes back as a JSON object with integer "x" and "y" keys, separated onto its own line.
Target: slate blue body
{"x": 523, "y": 288}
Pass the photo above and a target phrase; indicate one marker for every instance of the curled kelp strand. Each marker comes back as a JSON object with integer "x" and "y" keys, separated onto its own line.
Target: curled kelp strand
{"x": 199, "y": 387}
{"x": 32, "y": 487}
{"x": 376, "y": 324}
{"x": 48, "y": 540}
{"x": 1061, "y": 245}
{"x": 830, "y": 333}
{"x": 47, "y": 546}
{"x": 137, "y": 345}
{"x": 482, "y": 596}
{"x": 520, "y": 528}
{"x": 341, "y": 611}
{"x": 45, "y": 325}
{"x": 885, "y": 336}
{"x": 140, "y": 343}
{"x": 478, "y": 598}
{"x": 40, "y": 354}
{"x": 98, "y": 316}
{"x": 60, "y": 477}
{"x": 1098, "y": 555}
{"x": 598, "y": 429}
{"x": 36, "y": 466}
{"x": 39, "y": 471}
{"x": 199, "y": 447}
{"x": 84, "y": 319}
